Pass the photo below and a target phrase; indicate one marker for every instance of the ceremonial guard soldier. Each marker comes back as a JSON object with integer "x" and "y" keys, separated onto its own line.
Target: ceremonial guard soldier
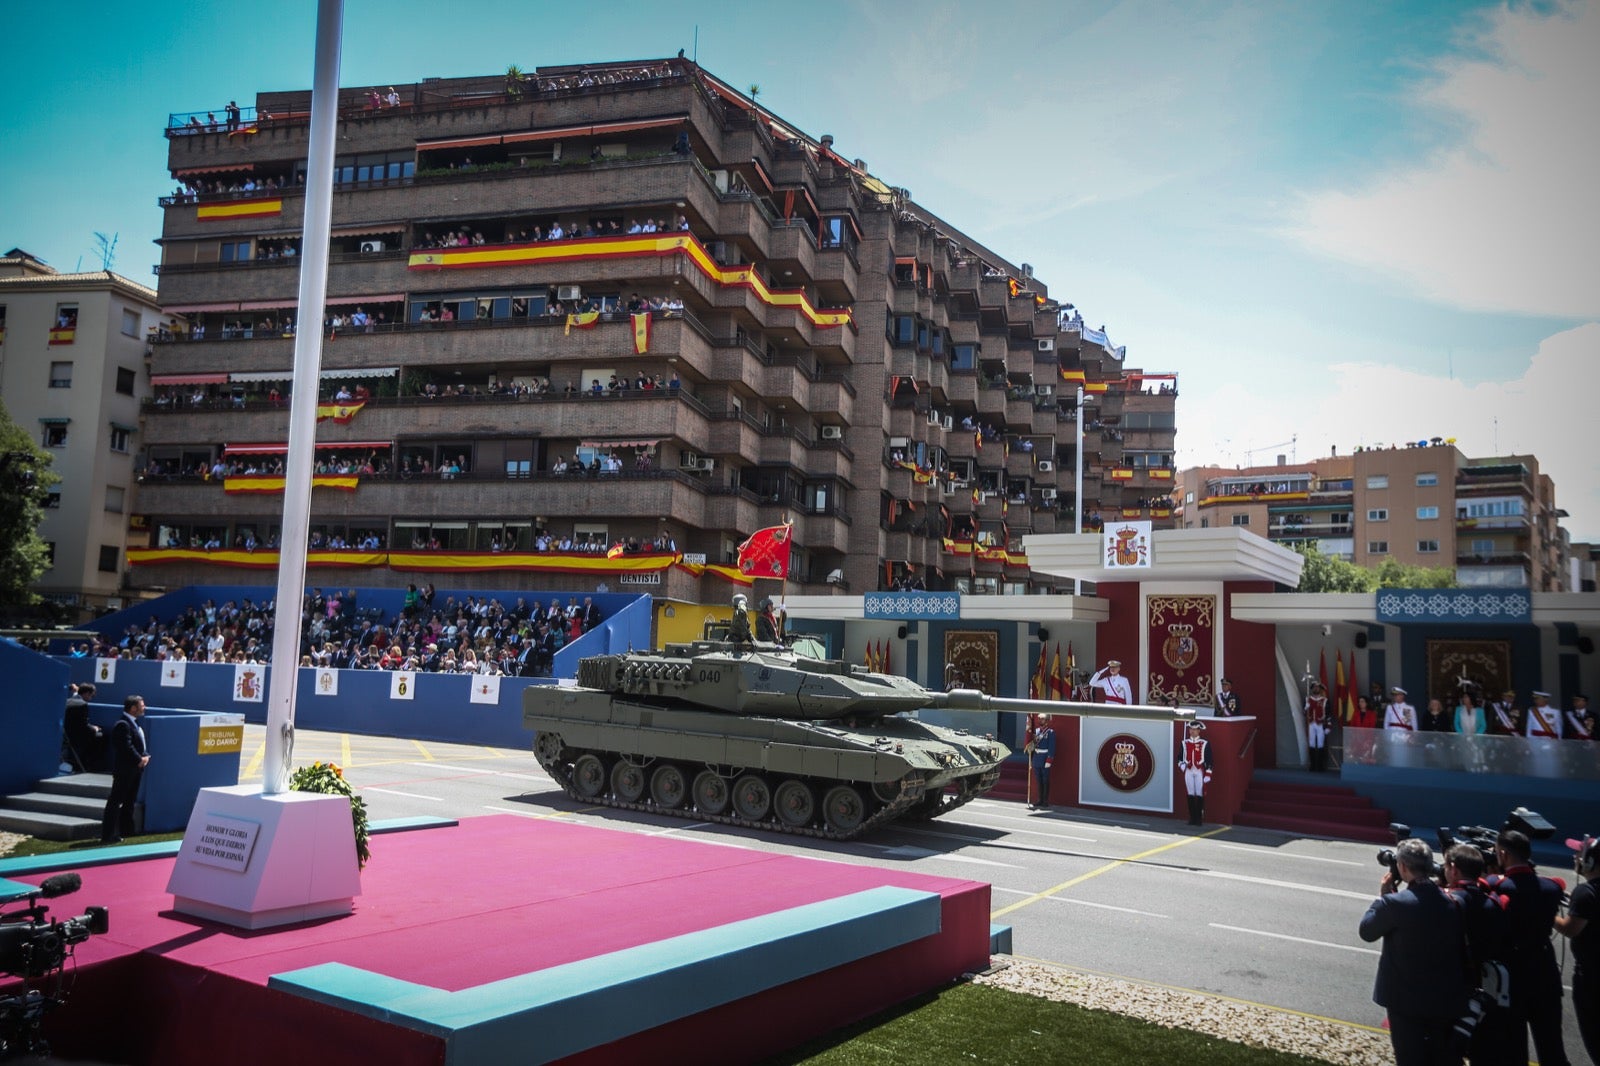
{"x": 1580, "y": 720}
{"x": 1196, "y": 769}
{"x": 1399, "y": 714}
{"x": 1109, "y": 680}
{"x": 1317, "y": 726}
{"x": 1042, "y": 754}
{"x": 1227, "y": 699}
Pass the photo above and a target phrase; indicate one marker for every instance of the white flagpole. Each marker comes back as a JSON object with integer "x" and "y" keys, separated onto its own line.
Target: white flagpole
{"x": 295, "y": 528}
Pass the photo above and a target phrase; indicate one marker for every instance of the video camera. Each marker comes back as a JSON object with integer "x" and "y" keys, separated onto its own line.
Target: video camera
{"x": 1386, "y": 857}
{"x": 34, "y": 946}
{"x": 1531, "y": 824}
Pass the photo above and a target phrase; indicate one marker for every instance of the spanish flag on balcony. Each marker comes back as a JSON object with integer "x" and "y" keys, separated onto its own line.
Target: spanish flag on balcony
{"x": 64, "y": 336}
{"x": 238, "y": 209}
{"x": 977, "y": 495}
{"x": 1160, "y": 473}
{"x": 581, "y": 320}
{"x": 263, "y": 483}
{"x": 641, "y": 332}
{"x": 341, "y": 413}
{"x": 1120, "y": 473}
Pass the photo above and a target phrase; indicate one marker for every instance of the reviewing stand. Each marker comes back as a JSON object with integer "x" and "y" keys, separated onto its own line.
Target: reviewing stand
{"x": 256, "y": 861}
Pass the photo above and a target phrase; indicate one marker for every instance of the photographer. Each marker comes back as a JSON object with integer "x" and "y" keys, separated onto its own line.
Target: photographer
{"x": 1486, "y": 926}
{"x": 1532, "y": 903}
{"x": 1579, "y": 925}
{"x": 1419, "y": 927}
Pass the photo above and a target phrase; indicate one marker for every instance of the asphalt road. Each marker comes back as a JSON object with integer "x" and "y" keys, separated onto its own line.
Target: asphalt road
{"x": 1249, "y": 914}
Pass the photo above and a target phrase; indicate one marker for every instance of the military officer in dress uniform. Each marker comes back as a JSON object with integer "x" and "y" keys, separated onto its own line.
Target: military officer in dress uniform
{"x": 1543, "y": 719}
{"x": 1399, "y": 715}
{"x": 1195, "y": 766}
{"x": 1580, "y": 720}
{"x": 1504, "y": 717}
{"x": 1109, "y": 680}
{"x": 1317, "y": 726}
{"x": 1227, "y": 699}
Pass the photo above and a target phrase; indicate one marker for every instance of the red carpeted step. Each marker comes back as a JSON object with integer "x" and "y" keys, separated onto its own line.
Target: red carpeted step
{"x": 1312, "y": 827}
{"x": 1296, "y": 789}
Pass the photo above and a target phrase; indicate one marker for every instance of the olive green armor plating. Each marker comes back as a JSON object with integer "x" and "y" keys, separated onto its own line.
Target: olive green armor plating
{"x": 759, "y": 735}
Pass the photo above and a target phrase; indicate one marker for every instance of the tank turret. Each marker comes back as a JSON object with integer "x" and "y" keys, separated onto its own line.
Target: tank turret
{"x": 762, "y": 735}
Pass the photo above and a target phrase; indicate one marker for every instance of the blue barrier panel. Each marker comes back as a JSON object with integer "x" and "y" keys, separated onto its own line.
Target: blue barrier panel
{"x": 181, "y": 760}
{"x": 36, "y": 695}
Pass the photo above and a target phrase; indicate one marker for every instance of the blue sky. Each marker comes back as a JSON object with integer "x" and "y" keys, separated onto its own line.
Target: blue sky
{"x": 1340, "y": 223}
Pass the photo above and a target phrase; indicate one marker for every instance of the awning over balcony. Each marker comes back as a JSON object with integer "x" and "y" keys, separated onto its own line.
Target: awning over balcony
{"x": 188, "y": 379}
{"x": 327, "y": 375}
{"x": 631, "y": 443}
{"x": 351, "y": 301}
{"x": 458, "y": 142}
{"x": 366, "y": 231}
{"x": 214, "y": 168}
{"x": 280, "y": 449}
{"x": 553, "y": 134}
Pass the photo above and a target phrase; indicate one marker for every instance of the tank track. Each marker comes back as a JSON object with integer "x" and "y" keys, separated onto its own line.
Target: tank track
{"x": 911, "y": 794}
{"x": 928, "y": 811}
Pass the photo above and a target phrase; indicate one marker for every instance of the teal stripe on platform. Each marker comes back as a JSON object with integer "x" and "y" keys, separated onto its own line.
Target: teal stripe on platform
{"x": 112, "y": 854}
{"x": 538, "y": 1017}
{"x": 999, "y": 939}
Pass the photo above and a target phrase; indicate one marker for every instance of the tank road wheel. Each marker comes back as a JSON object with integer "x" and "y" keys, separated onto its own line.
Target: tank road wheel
{"x": 843, "y": 809}
{"x": 668, "y": 787}
{"x": 589, "y": 777}
{"x": 886, "y": 792}
{"x": 794, "y": 803}
{"x": 627, "y": 781}
{"x": 752, "y": 799}
{"x": 710, "y": 792}
{"x": 549, "y": 749}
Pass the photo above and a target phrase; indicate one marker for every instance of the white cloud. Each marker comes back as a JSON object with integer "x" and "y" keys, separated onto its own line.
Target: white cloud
{"x": 1546, "y": 412}
{"x": 1508, "y": 217}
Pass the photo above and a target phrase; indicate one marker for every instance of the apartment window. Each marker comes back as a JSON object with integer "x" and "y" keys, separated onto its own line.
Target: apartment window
{"x": 1377, "y": 547}
{"x": 902, "y": 329}
{"x": 1483, "y": 547}
{"x": 234, "y": 252}
{"x": 1427, "y": 512}
{"x": 1378, "y": 481}
{"x": 1378, "y": 514}
{"x": 61, "y": 375}
{"x": 1424, "y": 480}
{"x": 125, "y": 380}
{"x": 66, "y": 316}
{"x": 1428, "y": 547}
{"x": 1188, "y": 497}
{"x": 55, "y": 435}
{"x": 130, "y": 323}
{"x": 1241, "y": 519}
{"x": 964, "y": 357}
{"x": 119, "y": 439}
{"x": 108, "y": 558}
{"x": 1205, "y": 523}
{"x": 49, "y": 555}
{"x": 114, "y": 495}
{"x": 53, "y": 499}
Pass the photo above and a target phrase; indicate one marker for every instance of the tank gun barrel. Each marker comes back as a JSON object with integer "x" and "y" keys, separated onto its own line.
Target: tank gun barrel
{"x": 967, "y": 699}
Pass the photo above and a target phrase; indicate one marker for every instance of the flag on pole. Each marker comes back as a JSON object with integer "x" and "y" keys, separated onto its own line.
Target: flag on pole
{"x": 887, "y": 658}
{"x": 1072, "y": 673}
{"x": 1341, "y": 694}
{"x": 766, "y": 552}
{"x": 1038, "y": 688}
{"x": 1058, "y": 685}
{"x": 1353, "y": 691}
{"x": 866, "y": 657}
{"x": 1322, "y": 670}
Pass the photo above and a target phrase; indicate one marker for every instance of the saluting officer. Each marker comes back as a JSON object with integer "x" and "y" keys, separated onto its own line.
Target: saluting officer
{"x": 1109, "y": 680}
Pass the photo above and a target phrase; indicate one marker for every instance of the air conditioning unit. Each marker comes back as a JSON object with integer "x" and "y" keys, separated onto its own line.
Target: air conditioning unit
{"x": 1046, "y": 466}
{"x": 1044, "y": 390}
{"x": 705, "y": 466}
{"x": 899, "y": 442}
{"x": 1047, "y": 344}
{"x": 833, "y": 433}
{"x": 689, "y": 461}
{"x": 949, "y": 421}
{"x": 1047, "y": 494}
{"x": 836, "y": 577}
{"x": 373, "y": 246}
{"x": 569, "y": 292}
{"x": 933, "y": 417}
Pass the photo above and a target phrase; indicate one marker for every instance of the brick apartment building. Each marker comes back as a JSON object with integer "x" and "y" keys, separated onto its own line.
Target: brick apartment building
{"x": 1494, "y": 520}
{"x": 814, "y": 345}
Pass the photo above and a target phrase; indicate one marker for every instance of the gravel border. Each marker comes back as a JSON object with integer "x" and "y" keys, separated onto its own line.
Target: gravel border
{"x": 1242, "y": 1023}
{"x": 9, "y": 841}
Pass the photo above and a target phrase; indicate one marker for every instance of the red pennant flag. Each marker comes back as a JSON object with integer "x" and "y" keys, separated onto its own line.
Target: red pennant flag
{"x": 886, "y": 657}
{"x": 1322, "y": 669}
{"x": 766, "y": 552}
{"x": 1058, "y": 684}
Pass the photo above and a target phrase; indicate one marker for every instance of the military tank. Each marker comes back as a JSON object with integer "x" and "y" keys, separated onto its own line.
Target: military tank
{"x": 765, "y": 736}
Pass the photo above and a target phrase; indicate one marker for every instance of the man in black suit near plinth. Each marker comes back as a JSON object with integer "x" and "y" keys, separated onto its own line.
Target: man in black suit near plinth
{"x": 1420, "y": 976}
{"x": 129, "y": 756}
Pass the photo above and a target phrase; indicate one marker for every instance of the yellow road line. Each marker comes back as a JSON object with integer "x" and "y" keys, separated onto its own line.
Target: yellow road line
{"x": 344, "y": 749}
{"x": 426, "y": 754}
{"x": 253, "y": 767}
{"x": 1209, "y": 995}
{"x": 1107, "y": 868}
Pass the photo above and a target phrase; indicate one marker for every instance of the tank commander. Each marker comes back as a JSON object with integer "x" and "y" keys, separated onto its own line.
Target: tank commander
{"x": 739, "y": 624}
{"x": 767, "y": 624}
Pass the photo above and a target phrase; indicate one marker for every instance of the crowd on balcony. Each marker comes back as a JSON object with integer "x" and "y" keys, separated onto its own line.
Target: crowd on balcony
{"x": 190, "y": 191}
{"x": 476, "y": 635}
{"x": 464, "y": 238}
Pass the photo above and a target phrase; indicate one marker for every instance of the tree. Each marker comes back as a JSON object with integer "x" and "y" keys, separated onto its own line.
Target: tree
{"x": 1324, "y": 573}
{"x": 25, "y": 482}
{"x": 1393, "y": 574}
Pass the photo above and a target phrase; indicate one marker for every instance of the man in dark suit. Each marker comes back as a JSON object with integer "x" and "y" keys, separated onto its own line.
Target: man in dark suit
{"x": 1420, "y": 978}
{"x": 129, "y": 757}
{"x": 84, "y": 741}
